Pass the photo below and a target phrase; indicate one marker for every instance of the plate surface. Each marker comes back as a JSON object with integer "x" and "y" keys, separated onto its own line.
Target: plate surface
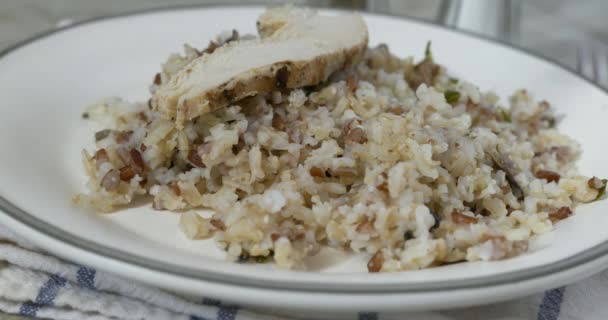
{"x": 46, "y": 84}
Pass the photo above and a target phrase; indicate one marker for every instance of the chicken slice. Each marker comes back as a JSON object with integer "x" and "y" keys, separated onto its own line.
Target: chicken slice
{"x": 298, "y": 47}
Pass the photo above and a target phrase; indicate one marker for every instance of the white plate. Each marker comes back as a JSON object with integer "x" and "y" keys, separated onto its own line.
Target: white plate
{"x": 46, "y": 83}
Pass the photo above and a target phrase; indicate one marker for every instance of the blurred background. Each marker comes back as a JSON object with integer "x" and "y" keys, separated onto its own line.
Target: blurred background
{"x": 573, "y": 33}
{"x": 560, "y": 29}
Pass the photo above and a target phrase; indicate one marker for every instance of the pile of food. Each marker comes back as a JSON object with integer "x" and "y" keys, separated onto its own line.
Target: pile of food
{"x": 305, "y": 137}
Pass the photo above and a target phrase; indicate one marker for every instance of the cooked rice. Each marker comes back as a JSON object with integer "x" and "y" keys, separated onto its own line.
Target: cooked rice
{"x": 365, "y": 163}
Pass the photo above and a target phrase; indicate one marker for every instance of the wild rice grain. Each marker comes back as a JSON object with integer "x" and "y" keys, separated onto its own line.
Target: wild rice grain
{"x": 127, "y": 173}
{"x": 375, "y": 263}
{"x": 560, "y": 214}
{"x": 458, "y": 217}
{"x": 111, "y": 180}
{"x": 548, "y": 175}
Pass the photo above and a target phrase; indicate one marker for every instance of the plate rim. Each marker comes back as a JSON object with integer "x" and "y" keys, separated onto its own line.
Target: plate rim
{"x": 76, "y": 242}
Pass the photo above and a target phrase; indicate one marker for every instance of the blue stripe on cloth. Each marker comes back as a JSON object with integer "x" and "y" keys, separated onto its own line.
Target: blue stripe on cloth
{"x": 86, "y": 277}
{"x": 227, "y": 313}
{"x": 368, "y": 316}
{"x": 552, "y": 303}
{"x": 46, "y": 296}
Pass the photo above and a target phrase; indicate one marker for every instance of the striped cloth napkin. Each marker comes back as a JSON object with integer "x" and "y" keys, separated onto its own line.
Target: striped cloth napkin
{"x": 35, "y": 284}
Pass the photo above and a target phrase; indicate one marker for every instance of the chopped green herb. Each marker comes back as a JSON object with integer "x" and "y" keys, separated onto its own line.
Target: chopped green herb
{"x": 453, "y": 80}
{"x": 452, "y": 96}
{"x": 505, "y": 115}
{"x": 85, "y": 115}
{"x": 408, "y": 235}
{"x": 262, "y": 259}
{"x": 437, "y": 221}
{"x": 100, "y": 135}
{"x": 602, "y": 190}
{"x": 428, "y": 55}
{"x": 244, "y": 257}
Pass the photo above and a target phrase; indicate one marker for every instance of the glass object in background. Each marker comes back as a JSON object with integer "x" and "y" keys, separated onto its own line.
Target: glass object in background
{"x": 20, "y": 19}
{"x": 554, "y": 28}
{"x": 592, "y": 62}
{"x": 499, "y": 19}
{"x": 560, "y": 29}
{"x": 420, "y": 9}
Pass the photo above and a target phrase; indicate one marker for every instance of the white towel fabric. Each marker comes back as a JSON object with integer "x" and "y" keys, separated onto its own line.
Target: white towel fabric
{"x": 35, "y": 284}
